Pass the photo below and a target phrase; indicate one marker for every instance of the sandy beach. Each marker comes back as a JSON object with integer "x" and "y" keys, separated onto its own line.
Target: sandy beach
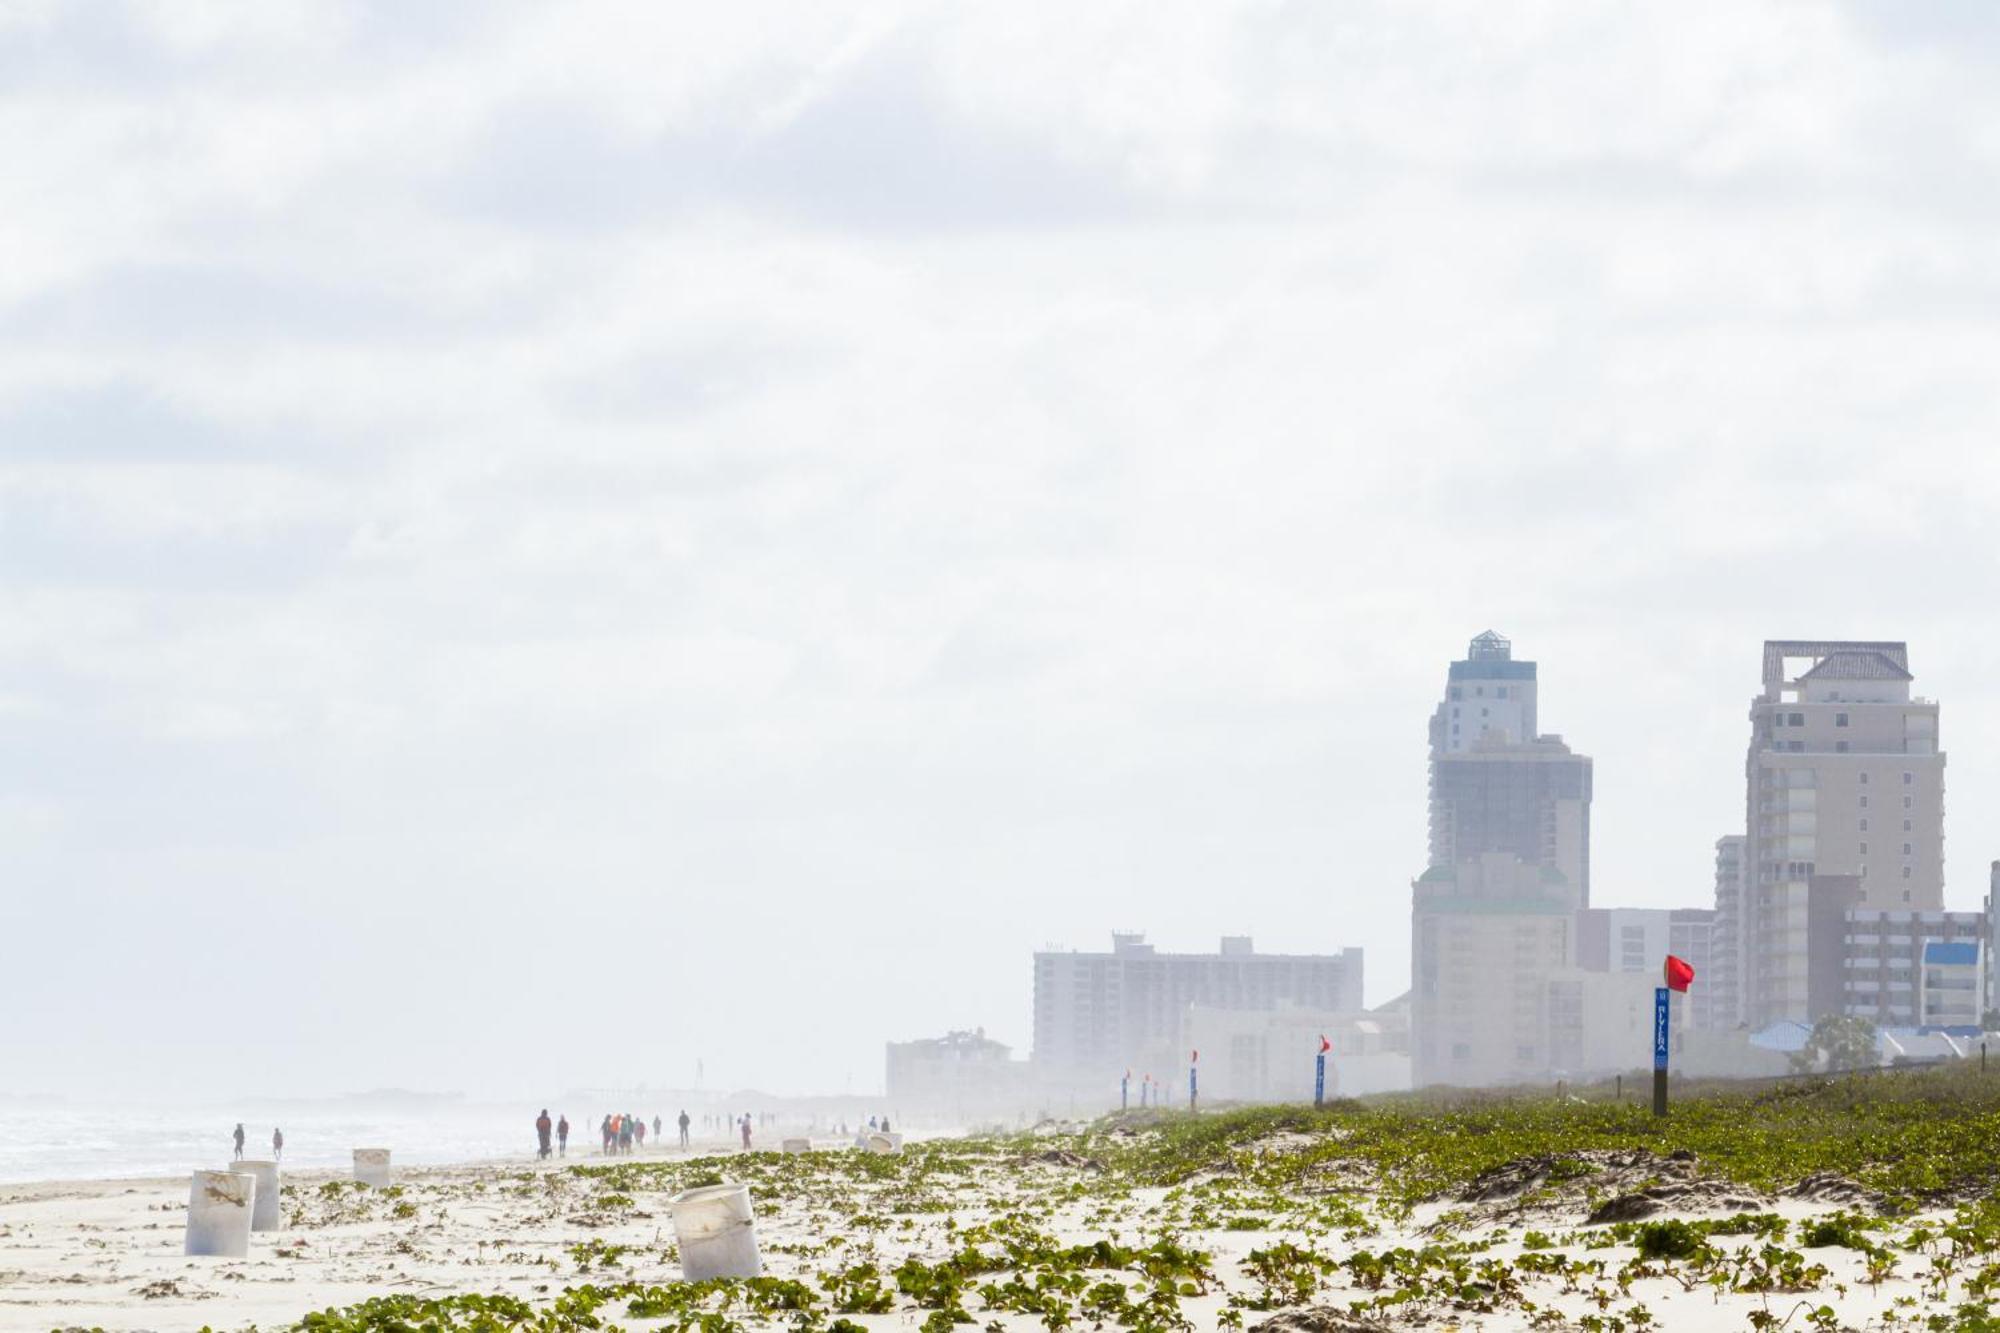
{"x": 1045, "y": 1231}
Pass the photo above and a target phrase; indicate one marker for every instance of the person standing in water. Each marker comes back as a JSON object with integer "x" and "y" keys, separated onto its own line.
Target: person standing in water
{"x": 238, "y": 1136}
{"x": 277, "y": 1145}
{"x": 562, "y": 1137}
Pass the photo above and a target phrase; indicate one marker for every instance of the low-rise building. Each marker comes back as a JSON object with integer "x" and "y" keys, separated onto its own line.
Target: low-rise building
{"x": 1870, "y": 962}
{"x": 1951, "y": 984}
{"x": 961, "y": 1073}
{"x": 1098, "y": 1014}
{"x": 1268, "y": 1055}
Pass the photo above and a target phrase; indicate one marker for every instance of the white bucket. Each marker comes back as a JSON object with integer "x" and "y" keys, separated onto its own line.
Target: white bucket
{"x": 219, "y": 1208}
{"x": 265, "y": 1215}
{"x": 886, "y": 1144}
{"x": 798, "y": 1145}
{"x": 371, "y": 1166}
{"x": 716, "y": 1233}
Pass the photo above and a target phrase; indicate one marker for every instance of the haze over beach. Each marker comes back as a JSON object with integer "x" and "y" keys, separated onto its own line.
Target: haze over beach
{"x": 1171, "y": 612}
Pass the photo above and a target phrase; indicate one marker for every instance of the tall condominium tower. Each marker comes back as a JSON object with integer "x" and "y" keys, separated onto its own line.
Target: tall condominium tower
{"x": 1498, "y": 786}
{"x": 1845, "y": 795}
{"x": 1493, "y": 915}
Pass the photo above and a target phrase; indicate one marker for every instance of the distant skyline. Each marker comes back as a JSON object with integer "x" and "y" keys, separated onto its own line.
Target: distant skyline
{"x": 541, "y": 546}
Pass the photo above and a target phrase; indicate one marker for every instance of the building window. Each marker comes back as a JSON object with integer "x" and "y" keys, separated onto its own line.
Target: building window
{"x": 1906, "y": 802}
{"x": 1864, "y": 826}
{"x": 1906, "y": 895}
{"x": 1906, "y": 849}
{"x": 1457, "y": 692}
{"x": 1906, "y": 826}
{"x": 1906, "y": 779}
{"x": 1840, "y": 747}
{"x": 1798, "y": 719}
{"x": 1840, "y": 719}
{"x": 1500, "y": 691}
{"x": 1864, "y": 779}
{"x": 1906, "y": 875}
{"x": 1461, "y": 1051}
{"x": 1864, "y": 802}
{"x": 1864, "y": 852}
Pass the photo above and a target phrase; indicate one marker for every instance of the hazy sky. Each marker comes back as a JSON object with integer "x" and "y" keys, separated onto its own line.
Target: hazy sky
{"x": 539, "y": 544}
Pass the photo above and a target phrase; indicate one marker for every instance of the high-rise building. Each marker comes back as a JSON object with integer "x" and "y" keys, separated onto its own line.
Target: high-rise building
{"x": 1097, "y": 1014}
{"x": 1724, "y": 983}
{"x": 1493, "y": 915}
{"x": 1845, "y": 789}
{"x": 1496, "y": 784}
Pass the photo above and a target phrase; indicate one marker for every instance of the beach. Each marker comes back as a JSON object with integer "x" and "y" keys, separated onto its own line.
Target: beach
{"x": 1116, "y": 1226}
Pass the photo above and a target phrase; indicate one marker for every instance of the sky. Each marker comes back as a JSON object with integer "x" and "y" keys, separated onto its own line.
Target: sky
{"x": 542, "y": 545}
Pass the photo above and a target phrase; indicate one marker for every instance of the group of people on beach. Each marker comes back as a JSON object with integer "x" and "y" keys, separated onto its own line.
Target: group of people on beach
{"x": 277, "y": 1143}
{"x": 619, "y": 1134}
{"x": 623, "y": 1134}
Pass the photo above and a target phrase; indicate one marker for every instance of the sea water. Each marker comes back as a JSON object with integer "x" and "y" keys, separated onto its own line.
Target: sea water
{"x": 69, "y": 1141}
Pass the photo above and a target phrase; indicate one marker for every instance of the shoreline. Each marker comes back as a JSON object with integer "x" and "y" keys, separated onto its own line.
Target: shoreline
{"x": 12, "y": 1191}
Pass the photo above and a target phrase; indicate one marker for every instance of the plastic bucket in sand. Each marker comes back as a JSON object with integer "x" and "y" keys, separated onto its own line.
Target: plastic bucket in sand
{"x": 371, "y": 1166}
{"x": 264, "y": 1214}
{"x": 219, "y": 1208}
{"x": 716, "y": 1233}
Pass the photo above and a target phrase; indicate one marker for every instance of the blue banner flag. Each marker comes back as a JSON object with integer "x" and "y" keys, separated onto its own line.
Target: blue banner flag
{"x": 1660, "y": 995}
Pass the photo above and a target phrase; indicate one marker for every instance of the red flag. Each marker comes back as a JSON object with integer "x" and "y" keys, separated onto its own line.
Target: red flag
{"x": 1193, "y": 1056}
{"x": 1679, "y": 973}
{"x": 1324, "y": 1044}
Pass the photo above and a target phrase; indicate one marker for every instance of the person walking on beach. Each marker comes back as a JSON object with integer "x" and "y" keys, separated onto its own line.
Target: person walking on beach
{"x": 543, "y": 1127}
{"x": 609, "y": 1136}
{"x": 639, "y": 1131}
{"x": 746, "y": 1131}
{"x": 277, "y": 1145}
{"x": 684, "y": 1123}
{"x": 562, "y": 1137}
{"x": 656, "y": 1130}
{"x": 238, "y": 1136}
{"x": 624, "y": 1133}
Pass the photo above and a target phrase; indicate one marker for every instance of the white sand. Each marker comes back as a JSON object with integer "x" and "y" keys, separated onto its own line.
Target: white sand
{"x": 108, "y": 1254}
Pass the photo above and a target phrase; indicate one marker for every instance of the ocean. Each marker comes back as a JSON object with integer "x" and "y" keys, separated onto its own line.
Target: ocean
{"x": 77, "y": 1142}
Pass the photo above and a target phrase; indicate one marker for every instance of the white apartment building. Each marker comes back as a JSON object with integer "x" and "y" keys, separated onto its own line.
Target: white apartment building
{"x": 1845, "y": 782}
{"x": 1097, "y": 1014}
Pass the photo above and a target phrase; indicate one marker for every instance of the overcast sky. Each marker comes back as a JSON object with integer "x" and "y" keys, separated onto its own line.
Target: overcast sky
{"x": 539, "y": 544}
